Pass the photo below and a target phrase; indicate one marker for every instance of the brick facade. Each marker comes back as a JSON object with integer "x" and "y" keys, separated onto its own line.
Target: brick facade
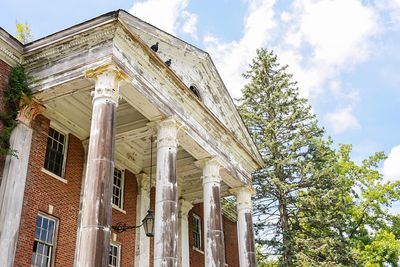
{"x": 231, "y": 243}
{"x": 43, "y": 190}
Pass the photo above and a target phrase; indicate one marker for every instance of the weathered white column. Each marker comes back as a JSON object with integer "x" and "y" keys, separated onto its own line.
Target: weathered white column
{"x": 85, "y": 145}
{"x": 214, "y": 236}
{"x": 13, "y": 184}
{"x": 96, "y": 205}
{"x": 166, "y": 213}
{"x": 184, "y": 208}
{"x": 247, "y": 252}
{"x": 142, "y": 242}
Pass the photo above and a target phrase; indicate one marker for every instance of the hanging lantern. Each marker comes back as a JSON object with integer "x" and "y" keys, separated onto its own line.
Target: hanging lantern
{"x": 148, "y": 223}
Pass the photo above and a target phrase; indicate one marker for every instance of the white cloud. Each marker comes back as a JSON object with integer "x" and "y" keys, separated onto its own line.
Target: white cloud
{"x": 391, "y": 166}
{"x": 190, "y": 25}
{"x": 392, "y": 9}
{"x": 171, "y": 16}
{"x": 342, "y": 120}
{"x": 233, "y": 58}
{"x": 335, "y": 36}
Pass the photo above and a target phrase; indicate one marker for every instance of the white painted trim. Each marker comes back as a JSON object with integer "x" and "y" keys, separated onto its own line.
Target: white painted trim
{"x": 198, "y": 250}
{"x": 54, "y": 175}
{"x": 118, "y": 208}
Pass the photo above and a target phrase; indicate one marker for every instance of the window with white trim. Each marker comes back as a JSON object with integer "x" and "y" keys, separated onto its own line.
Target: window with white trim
{"x": 55, "y": 152}
{"x": 43, "y": 245}
{"x": 114, "y": 255}
{"x": 196, "y": 221}
{"x": 118, "y": 188}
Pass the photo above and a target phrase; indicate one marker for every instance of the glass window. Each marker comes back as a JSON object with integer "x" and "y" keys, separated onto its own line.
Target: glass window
{"x": 54, "y": 161}
{"x": 43, "y": 245}
{"x": 118, "y": 186}
{"x": 114, "y": 258}
{"x": 196, "y": 231}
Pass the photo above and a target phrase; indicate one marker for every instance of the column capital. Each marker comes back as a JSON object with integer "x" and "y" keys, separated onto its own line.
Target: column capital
{"x": 243, "y": 194}
{"x": 107, "y": 79}
{"x": 143, "y": 181}
{"x": 28, "y": 110}
{"x": 184, "y": 207}
{"x": 211, "y": 167}
{"x": 167, "y": 133}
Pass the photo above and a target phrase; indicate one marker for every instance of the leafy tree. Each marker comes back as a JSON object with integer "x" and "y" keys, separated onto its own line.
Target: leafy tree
{"x": 372, "y": 231}
{"x": 23, "y": 32}
{"x": 314, "y": 206}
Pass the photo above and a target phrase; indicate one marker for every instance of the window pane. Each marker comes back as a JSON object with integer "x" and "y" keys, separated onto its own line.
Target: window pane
{"x": 117, "y": 188}
{"x": 54, "y": 152}
{"x": 114, "y": 256}
{"x": 43, "y": 243}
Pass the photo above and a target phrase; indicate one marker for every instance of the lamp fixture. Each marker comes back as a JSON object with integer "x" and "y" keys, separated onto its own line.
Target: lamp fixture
{"x": 148, "y": 221}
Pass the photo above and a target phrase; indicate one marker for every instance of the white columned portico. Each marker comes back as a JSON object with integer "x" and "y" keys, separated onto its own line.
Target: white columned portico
{"x": 142, "y": 246}
{"x": 214, "y": 236}
{"x": 184, "y": 208}
{"x": 13, "y": 183}
{"x": 94, "y": 234}
{"x": 166, "y": 210}
{"x": 246, "y": 242}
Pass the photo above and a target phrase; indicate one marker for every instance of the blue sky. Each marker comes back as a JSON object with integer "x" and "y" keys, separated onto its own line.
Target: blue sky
{"x": 344, "y": 53}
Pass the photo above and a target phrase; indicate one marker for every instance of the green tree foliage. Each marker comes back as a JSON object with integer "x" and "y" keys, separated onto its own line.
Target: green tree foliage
{"x": 23, "y": 32}
{"x": 17, "y": 90}
{"x": 314, "y": 206}
{"x": 288, "y": 137}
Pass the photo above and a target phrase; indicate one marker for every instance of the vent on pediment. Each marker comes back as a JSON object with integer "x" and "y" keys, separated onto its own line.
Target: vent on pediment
{"x": 195, "y": 91}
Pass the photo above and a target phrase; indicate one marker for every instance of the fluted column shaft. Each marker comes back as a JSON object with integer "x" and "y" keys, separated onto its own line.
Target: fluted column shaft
{"x": 14, "y": 180}
{"x": 184, "y": 208}
{"x": 96, "y": 201}
{"x": 214, "y": 236}
{"x": 246, "y": 242}
{"x": 166, "y": 210}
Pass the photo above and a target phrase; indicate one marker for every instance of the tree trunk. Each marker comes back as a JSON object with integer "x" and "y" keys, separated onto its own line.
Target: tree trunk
{"x": 284, "y": 221}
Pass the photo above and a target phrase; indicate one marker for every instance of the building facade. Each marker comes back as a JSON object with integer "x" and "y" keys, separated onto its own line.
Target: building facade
{"x": 124, "y": 118}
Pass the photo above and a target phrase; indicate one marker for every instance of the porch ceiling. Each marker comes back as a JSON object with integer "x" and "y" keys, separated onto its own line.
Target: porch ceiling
{"x": 72, "y": 113}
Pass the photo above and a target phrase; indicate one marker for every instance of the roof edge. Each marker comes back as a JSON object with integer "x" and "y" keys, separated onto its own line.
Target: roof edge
{"x": 75, "y": 29}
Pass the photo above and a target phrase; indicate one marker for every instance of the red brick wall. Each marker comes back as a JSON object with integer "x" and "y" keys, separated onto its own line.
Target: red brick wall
{"x": 231, "y": 243}
{"x": 196, "y": 257}
{"x": 43, "y": 190}
{"x": 127, "y": 239}
{"x": 5, "y": 71}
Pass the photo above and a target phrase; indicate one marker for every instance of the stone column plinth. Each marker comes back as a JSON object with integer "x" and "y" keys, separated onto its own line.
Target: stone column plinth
{"x": 166, "y": 211}
{"x": 214, "y": 237}
{"x": 14, "y": 179}
{"x": 246, "y": 242}
{"x": 96, "y": 201}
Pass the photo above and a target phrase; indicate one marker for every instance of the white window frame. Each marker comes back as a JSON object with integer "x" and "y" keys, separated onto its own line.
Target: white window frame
{"x": 118, "y": 246}
{"x": 122, "y": 190}
{"x": 54, "y": 244}
{"x": 65, "y": 150}
{"x": 198, "y": 219}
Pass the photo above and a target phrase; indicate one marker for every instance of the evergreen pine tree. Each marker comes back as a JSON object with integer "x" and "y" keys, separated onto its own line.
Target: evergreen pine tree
{"x": 286, "y": 133}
